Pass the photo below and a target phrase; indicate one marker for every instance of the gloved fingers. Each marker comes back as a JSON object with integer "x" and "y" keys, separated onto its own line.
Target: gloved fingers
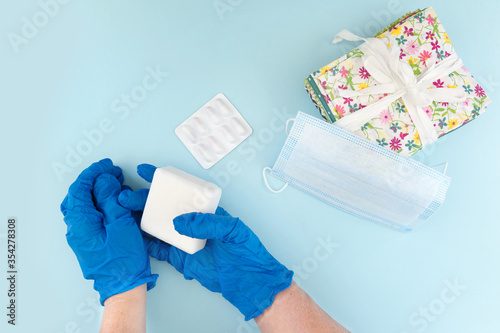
{"x": 88, "y": 175}
{"x": 211, "y": 226}
{"x": 221, "y": 211}
{"x": 83, "y": 221}
{"x": 78, "y": 206}
{"x": 106, "y": 187}
{"x": 166, "y": 252}
{"x": 126, "y": 187}
{"x": 177, "y": 258}
{"x": 146, "y": 171}
{"x": 156, "y": 248}
{"x": 200, "y": 266}
{"x": 106, "y": 191}
{"x": 79, "y": 193}
{"x": 118, "y": 176}
{"x": 134, "y": 200}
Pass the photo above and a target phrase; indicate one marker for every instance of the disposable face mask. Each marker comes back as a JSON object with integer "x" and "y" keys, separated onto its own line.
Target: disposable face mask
{"x": 357, "y": 176}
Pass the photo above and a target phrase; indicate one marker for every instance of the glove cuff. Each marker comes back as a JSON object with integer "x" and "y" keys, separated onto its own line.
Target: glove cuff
{"x": 265, "y": 297}
{"x": 150, "y": 279}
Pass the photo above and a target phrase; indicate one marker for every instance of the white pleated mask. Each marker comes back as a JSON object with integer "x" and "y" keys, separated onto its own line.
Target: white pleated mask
{"x": 358, "y": 176}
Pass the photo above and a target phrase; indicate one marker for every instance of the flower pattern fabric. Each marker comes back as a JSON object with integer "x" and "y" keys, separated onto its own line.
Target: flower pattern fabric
{"x": 423, "y": 42}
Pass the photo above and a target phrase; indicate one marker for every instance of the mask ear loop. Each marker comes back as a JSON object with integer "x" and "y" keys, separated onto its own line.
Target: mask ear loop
{"x": 268, "y": 168}
{"x": 267, "y": 184}
{"x": 445, "y": 167}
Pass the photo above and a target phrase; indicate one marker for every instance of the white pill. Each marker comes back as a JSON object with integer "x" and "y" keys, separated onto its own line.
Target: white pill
{"x": 223, "y": 108}
{"x": 199, "y": 126}
{"x": 213, "y": 115}
{"x": 189, "y": 133}
{"x": 217, "y": 146}
{"x": 238, "y": 126}
{"x": 206, "y": 152}
{"x": 228, "y": 134}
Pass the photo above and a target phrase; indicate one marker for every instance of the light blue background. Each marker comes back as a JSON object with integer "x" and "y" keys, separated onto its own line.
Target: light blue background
{"x": 66, "y": 78}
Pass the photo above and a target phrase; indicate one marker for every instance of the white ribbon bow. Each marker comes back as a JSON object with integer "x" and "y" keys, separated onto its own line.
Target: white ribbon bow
{"x": 397, "y": 79}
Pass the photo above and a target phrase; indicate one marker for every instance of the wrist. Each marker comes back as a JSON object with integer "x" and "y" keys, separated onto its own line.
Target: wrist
{"x": 281, "y": 298}
{"x": 131, "y": 296}
{"x": 125, "y": 312}
{"x": 293, "y": 310}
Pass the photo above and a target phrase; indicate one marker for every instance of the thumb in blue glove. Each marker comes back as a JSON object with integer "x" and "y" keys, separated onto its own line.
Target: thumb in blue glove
{"x": 234, "y": 262}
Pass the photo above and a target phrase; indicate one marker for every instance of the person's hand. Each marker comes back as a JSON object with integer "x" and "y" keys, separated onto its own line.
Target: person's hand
{"x": 234, "y": 262}
{"x": 103, "y": 235}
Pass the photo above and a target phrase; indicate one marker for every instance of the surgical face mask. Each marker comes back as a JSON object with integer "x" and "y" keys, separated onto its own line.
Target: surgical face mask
{"x": 358, "y": 176}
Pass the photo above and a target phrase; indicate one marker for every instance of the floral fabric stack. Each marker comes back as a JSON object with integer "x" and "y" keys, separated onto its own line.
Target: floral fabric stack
{"x": 422, "y": 43}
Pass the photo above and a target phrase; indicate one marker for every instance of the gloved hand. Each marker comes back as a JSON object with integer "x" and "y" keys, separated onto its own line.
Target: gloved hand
{"x": 234, "y": 262}
{"x": 103, "y": 235}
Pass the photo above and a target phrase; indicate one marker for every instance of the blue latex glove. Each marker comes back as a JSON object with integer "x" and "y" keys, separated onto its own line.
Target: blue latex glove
{"x": 234, "y": 262}
{"x": 103, "y": 235}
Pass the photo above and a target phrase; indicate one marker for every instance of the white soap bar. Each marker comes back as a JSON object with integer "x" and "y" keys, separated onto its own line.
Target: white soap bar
{"x": 213, "y": 131}
{"x": 174, "y": 192}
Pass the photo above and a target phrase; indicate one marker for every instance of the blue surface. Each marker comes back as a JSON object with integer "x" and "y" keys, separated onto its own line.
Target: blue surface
{"x": 66, "y": 79}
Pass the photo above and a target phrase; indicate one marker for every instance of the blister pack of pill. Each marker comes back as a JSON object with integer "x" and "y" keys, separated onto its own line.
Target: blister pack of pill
{"x": 213, "y": 131}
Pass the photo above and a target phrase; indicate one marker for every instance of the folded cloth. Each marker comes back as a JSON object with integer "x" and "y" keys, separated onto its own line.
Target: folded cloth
{"x": 403, "y": 89}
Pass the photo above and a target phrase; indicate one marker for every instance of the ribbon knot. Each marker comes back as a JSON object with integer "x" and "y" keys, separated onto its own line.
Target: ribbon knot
{"x": 412, "y": 90}
{"x": 397, "y": 79}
